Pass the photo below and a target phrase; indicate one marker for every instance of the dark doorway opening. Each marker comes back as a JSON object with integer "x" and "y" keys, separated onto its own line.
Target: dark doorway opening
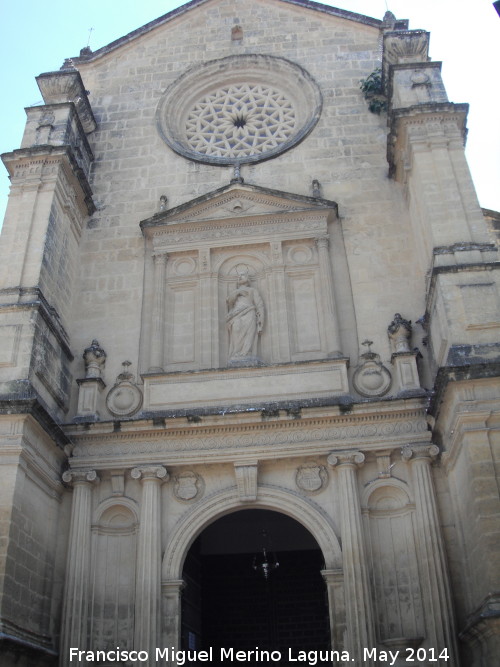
{"x": 227, "y": 603}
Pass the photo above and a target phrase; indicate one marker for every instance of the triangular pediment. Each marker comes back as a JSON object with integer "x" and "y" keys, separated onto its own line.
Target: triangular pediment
{"x": 189, "y": 7}
{"x": 238, "y": 200}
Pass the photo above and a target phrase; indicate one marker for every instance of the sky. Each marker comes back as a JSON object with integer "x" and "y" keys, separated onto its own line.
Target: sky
{"x": 36, "y": 37}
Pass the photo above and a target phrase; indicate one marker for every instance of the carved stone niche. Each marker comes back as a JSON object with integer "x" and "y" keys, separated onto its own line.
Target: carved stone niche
{"x": 231, "y": 278}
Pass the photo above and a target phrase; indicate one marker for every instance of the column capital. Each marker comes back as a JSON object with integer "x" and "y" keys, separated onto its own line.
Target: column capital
{"x": 419, "y": 451}
{"x": 333, "y": 576}
{"x": 79, "y": 476}
{"x": 322, "y": 241}
{"x": 172, "y": 586}
{"x": 349, "y": 458}
{"x": 150, "y": 473}
{"x": 159, "y": 257}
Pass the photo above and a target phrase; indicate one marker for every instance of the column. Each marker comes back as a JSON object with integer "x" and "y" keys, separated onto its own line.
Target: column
{"x": 148, "y": 573}
{"x": 328, "y": 297}
{"x": 436, "y": 597}
{"x": 74, "y": 631}
{"x": 359, "y": 615}
{"x": 157, "y": 342}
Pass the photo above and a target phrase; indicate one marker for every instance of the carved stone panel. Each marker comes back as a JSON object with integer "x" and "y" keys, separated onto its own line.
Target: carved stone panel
{"x": 394, "y": 571}
{"x": 113, "y": 596}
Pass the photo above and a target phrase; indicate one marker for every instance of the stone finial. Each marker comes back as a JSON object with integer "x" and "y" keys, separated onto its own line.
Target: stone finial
{"x": 237, "y": 177}
{"x": 125, "y": 374}
{"x": 95, "y": 358}
{"x": 389, "y": 21}
{"x": 399, "y": 332}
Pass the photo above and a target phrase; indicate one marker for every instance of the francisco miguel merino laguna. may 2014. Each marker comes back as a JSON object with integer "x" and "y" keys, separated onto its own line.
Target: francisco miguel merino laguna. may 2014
{"x": 182, "y": 657}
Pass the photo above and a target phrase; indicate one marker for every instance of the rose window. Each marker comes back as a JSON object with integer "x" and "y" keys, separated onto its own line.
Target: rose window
{"x": 240, "y": 120}
{"x": 238, "y": 110}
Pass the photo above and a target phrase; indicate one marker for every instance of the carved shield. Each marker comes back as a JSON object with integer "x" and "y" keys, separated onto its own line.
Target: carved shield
{"x": 186, "y": 487}
{"x": 309, "y": 478}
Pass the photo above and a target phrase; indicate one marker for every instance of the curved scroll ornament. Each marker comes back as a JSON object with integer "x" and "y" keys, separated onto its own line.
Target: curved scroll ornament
{"x": 125, "y": 397}
{"x": 371, "y": 377}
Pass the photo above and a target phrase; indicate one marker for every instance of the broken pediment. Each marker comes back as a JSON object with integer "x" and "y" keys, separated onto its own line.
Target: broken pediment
{"x": 241, "y": 202}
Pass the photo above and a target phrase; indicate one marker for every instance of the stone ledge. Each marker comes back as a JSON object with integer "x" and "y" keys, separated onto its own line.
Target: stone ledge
{"x": 236, "y": 386}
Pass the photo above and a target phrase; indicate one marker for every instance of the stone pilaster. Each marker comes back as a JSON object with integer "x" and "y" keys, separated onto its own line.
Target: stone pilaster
{"x": 156, "y": 346}
{"x": 89, "y": 391}
{"x": 171, "y": 613}
{"x": 406, "y": 372}
{"x": 207, "y": 313}
{"x": 278, "y": 316}
{"x": 148, "y": 573}
{"x": 329, "y": 307}
{"x": 74, "y": 631}
{"x": 436, "y": 597}
{"x": 359, "y": 614}
{"x": 334, "y": 580}
{"x": 246, "y": 480}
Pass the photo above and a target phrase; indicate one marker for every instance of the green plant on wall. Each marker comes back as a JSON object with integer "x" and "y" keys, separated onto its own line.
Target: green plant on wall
{"x": 372, "y": 90}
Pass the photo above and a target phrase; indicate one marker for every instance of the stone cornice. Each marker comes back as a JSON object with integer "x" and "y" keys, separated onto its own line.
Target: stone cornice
{"x": 43, "y": 161}
{"x": 73, "y": 115}
{"x": 437, "y": 271}
{"x": 279, "y": 202}
{"x": 28, "y": 298}
{"x": 418, "y": 115}
{"x": 67, "y": 86}
{"x": 468, "y": 372}
{"x": 227, "y": 438}
{"x": 23, "y": 400}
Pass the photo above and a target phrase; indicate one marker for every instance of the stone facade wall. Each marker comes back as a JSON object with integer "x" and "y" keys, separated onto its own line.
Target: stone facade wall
{"x": 360, "y": 395}
{"x": 133, "y": 167}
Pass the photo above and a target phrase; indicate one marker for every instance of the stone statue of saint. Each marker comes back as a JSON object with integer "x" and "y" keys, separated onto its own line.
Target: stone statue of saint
{"x": 245, "y": 319}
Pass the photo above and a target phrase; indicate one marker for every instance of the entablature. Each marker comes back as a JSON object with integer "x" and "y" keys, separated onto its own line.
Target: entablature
{"x": 222, "y": 436}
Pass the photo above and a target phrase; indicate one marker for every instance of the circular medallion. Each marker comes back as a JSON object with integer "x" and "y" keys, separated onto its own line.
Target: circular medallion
{"x": 239, "y": 109}
{"x": 124, "y": 399}
{"x": 372, "y": 379}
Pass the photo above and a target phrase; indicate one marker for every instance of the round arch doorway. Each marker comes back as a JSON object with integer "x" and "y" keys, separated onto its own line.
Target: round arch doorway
{"x": 228, "y": 601}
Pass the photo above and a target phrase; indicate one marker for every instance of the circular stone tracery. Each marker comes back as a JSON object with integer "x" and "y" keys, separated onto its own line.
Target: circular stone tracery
{"x": 239, "y": 109}
{"x": 239, "y": 121}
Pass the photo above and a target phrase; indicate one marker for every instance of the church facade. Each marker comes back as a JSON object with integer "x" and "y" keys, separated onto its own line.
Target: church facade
{"x": 249, "y": 359}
